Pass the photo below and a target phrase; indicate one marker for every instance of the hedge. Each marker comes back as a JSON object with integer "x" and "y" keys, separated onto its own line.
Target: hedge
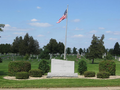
{"x": 22, "y": 75}
{"x": 35, "y": 73}
{"x": 18, "y": 66}
{"x": 89, "y": 74}
{"x": 103, "y": 75}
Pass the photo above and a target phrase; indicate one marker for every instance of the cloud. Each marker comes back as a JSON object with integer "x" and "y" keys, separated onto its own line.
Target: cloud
{"x": 108, "y": 32}
{"x": 40, "y": 24}
{"x": 101, "y": 28}
{"x": 93, "y": 31}
{"x": 8, "y": 27}
{"x": 114, "y": 32}
{"x": 40, "y": 35}
{"x": 78, "y": 28}
{"x": 34, "y": 20}
{"x": 19, "y": 33}
{"x": 76, "y": 20}
{"x": 113, "y": 39}
{"x": 38, "y": 7}
{"x": 79, "y": 35}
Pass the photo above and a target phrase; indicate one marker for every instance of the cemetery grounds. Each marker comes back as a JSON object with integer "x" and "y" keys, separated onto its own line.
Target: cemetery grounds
{"x": 54, "y": 83}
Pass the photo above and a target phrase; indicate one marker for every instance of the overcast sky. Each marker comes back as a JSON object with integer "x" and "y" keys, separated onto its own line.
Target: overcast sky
{"x": 38, "y": 18}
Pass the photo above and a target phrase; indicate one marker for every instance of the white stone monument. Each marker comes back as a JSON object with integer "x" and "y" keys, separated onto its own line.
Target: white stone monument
{"x": 62, "y": 68}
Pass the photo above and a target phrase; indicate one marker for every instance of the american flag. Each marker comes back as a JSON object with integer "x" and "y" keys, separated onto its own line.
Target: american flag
{"x": 63, "y": 17}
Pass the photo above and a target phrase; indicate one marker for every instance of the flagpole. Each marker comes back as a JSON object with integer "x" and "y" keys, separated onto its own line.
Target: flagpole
{"x": 66, "y": 34}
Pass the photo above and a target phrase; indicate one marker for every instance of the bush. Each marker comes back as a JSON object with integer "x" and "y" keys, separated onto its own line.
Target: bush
{"x": 44, "y": 54}
{"x": 35, "y": 73}
{"x": 22, "y": 75}
{"x": 107, "y": 66}
{"x": 0, "y": 60}
{"x": 82, "y": 67}
{"x": 109, "y": 57}
{"x": 44, "y": 66}
{"x": 103, "y": 75}
{"x": 18, "y": 66}
{"x": 26, "y": 57}
{"x": 89, "y": 74}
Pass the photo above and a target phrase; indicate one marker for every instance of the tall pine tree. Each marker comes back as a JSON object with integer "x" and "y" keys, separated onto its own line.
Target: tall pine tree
{"x": 96, "y": 48}
{"x": 116, "y": 50}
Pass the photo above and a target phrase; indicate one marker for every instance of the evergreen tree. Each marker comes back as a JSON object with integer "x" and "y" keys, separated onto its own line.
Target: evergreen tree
{"x": 116, "y": 50}
{"x": 74, "y": 50}
{"x": 5, "y": 48}
{"x": 96, "y": 48}
{"x": 80, "y": 50}
{"x": 68, "y": 50}
{"x": 16, "y": 44}
{"x": 25, "y": 46}
{"x": 60, "y": 47}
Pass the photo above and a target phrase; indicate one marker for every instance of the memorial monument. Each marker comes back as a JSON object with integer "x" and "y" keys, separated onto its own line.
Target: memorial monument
{"x": 62, "y": 68}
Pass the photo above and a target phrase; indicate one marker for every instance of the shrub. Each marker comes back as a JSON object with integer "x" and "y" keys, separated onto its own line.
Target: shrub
{"x": 103, "y": 75}
{"x": 26, "y": 57}
{"x": 35, "y": 73}
{"x": 18, "y": 66}
{"x": 107, "y": 66}
{"x": 44, "y": 66}
{"x": 109, "y": 57}
{"x": 0, "y": 60}
{"x": 44, "y": 54}
{"x": 82, "y": 67}
{"x": 89, "y": 74}
{"x": 22, "y": 75}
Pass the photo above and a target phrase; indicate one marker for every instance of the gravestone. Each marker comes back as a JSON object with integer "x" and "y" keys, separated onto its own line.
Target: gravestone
{"x": 115, "y": 57}
{"x": 62, "y": 68}
{"x": 119, "y": 59}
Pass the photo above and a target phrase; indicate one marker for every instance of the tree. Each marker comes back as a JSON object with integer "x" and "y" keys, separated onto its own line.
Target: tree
{"x": 16, "y": 44}
{"x": 5, "y": 48}
{"x": 60, "y": 47}
{"x": 96, "y": 48}
{"x": 68, "y": 50}
{"x": 80, "y": 50}
{"x": 25, "y": 46}
{"x": 74, "y": 50}
{"x": 1, "y": 26}
{"x": 44, "y": 54}
{"x": 116, "y": 50}
{"x": 111, "y": 51}
{"x": 52, "y": 46}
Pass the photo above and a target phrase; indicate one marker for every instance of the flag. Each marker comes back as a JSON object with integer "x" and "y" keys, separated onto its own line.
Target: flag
{"x": 63, "y": 17}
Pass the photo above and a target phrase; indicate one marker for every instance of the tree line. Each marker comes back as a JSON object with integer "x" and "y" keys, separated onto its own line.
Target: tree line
{"x": 28, "y": 45}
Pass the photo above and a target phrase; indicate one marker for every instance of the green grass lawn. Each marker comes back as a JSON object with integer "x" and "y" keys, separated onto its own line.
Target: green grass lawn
{"x": 58, "y": 82}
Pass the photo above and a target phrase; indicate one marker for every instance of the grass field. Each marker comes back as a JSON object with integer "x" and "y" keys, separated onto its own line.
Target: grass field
{"x": 57, "y": 82}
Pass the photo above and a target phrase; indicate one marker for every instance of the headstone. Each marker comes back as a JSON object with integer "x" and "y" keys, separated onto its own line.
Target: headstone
{"x": 104, "y": 55}
{"x": 50, "y": 56}
{"x": 37, "y": 56}
{"x": 62, "y": 68}
{"x": 115, "y": 57}
{"x": 119, "y": 59}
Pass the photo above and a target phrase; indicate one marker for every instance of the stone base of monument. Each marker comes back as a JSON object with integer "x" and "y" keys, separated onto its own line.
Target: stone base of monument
{"x": 50, "y": 75}
{"x": 62, "y": 68}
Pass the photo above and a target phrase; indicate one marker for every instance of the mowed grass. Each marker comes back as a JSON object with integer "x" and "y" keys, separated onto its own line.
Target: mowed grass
{"x": 73, "y": 82}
